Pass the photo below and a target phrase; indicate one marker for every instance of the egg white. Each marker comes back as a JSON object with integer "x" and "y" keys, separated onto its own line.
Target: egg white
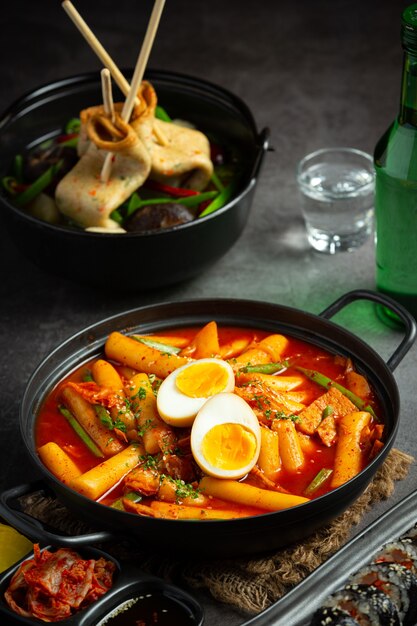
{"x": 178, "y": 409}
{"x": 224, "y": 408}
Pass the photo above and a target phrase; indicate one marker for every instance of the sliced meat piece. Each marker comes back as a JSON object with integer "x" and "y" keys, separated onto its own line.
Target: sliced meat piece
{"x": 327, "y": 430}
{"x": 311, "y": 417}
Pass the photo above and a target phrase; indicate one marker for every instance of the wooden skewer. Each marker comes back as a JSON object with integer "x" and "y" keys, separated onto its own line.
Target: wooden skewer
{"x": 139, "y": 69}
{"x": 106, "y": 89}
{"x": 96, "y": 46}
{"x": 104, "y": 57}
{"x": 107, "y": 92}
{"x": 143, "y": 59}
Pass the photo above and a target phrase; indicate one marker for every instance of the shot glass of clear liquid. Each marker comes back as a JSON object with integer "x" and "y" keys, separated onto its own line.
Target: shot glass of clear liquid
{"x": 337, "y": 194}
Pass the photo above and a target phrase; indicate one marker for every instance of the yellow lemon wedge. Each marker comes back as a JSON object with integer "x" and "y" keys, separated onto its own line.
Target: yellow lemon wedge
{"x": 13, "y": 546}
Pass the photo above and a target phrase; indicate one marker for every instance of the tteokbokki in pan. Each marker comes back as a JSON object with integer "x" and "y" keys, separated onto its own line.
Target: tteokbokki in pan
{"x": 209, "y": 422}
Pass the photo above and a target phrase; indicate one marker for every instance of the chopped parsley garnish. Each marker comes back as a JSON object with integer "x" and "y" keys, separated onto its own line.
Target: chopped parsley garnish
{"x": 148, "y": 461}
{"x": 182, "y": 489}
{"x": 140, "y": 394}
{"x": 280, "y": 415}
{"x": 146, "y": 426}
{"x": 120, "y": 425}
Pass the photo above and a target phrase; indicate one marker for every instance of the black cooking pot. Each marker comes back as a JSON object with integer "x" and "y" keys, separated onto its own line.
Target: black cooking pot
{"x": 231, "y": 537}
{"x": 142, "y": 260}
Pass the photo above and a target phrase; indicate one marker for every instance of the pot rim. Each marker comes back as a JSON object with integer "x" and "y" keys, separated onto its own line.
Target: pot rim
{"x": 190, "y": 318}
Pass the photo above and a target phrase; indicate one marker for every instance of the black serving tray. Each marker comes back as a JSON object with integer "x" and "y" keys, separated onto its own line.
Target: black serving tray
{"x": 296, "y": 608}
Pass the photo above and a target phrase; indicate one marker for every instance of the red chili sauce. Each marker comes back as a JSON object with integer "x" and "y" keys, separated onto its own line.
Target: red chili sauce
{"x": 52, "y": 426}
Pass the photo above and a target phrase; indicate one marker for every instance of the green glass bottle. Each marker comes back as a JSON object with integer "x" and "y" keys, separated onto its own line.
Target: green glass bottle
{"x": 396, "y": 184}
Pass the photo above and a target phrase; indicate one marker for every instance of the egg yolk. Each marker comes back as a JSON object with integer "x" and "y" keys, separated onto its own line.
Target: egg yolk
{"x": 202, "y": 380}
{"x": 228, "y": 446}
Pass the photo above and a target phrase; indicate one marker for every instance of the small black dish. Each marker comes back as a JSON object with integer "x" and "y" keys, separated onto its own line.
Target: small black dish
{"x": 142, "y": 592}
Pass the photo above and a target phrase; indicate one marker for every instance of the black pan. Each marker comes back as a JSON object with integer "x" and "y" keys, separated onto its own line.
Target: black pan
{"x": 232, "y": 537}
{"x": 133, "y": 261}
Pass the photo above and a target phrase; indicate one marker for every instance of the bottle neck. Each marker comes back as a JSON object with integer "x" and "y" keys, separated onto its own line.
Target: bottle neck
{"x": 408, "y": 105}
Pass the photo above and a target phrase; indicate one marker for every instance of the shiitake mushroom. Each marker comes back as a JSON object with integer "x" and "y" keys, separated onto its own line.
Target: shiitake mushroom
{"x": 40, "y": 159}
{"x": 158, "y": 216}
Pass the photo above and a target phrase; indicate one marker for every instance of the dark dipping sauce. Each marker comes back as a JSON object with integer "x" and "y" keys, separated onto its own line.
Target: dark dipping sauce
{"x": 151, "y": 608}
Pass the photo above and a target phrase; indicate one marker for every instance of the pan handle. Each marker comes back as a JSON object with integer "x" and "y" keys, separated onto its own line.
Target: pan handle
{"x": 407, "y": 319}
{"x": 263, "y": 142}
{"x": 35, "y": 529}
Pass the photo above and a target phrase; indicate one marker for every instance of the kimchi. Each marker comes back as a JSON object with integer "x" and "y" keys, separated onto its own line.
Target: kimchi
{"x": 52, "y": 586}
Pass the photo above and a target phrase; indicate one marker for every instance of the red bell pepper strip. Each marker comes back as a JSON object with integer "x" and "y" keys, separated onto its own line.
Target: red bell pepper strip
{"x": 67, "y": 137}
{"x": 177, "y": 192}
{"x": 12, "y": 186}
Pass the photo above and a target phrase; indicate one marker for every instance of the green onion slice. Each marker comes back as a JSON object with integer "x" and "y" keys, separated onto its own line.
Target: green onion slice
{"x": 322, "y": 380}
{"x": 83, "y": 435}
{"x": 158, "y": 345}
{"x": 265, "y": 368}
{"x": 131, "y": 495}
{"x": 318, "y": 481}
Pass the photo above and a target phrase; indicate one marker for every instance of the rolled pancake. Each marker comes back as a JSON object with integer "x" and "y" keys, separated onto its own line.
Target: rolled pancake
{"x": 81, "y": 195}
{"x": 180, "y": 156}
{"x": 185, "y": 160}
{"x": 146, "y": 147}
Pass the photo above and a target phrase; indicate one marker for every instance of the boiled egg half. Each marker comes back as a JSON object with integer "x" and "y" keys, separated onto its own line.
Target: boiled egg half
{"x": 226, "y": 437}
{"x": 183, "y": 393}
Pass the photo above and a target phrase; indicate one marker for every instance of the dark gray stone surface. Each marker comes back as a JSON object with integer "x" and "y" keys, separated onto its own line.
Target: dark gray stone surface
{"x": 317, "y": 72}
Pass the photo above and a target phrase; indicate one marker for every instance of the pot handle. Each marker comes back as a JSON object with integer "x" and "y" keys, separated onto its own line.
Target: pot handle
{"x": 263, "y": 142}
{"x": 406, "y": 318}
{"x": 35, "y": 529}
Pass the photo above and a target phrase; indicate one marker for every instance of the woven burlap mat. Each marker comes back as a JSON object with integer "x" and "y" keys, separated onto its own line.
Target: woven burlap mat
{"x": 249, "y": 585}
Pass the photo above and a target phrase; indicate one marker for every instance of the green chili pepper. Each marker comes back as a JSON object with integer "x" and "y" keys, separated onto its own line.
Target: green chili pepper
{"x": 217, "y": 182}
{"x": 72, "y": 126}
{"x": 158, "y": 345}
{"x": 220, "y": 200}
{"x": 265, "y": 368}
{"x": 117, "y": 216}
{"x": 18, "y": 168}
{"x": 38, "y": 185}
{"x": 136, "y": 203}
{"x": 161, "y": 114}
{"x": 322, "y": 380}
{"x": 9, "y": 184}
{"x": 318, "y": 481}
{"x": 85, "y": 437}
{"x": 191, "y": 201}
{"x": 70, "y": 143}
